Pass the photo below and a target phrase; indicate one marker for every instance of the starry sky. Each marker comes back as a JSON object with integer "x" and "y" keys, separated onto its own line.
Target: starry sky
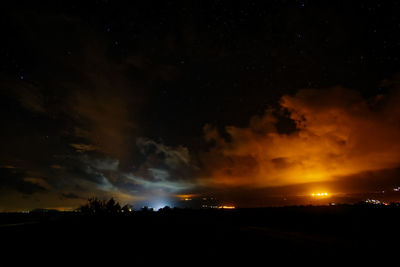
{"x": 254, "y": 103}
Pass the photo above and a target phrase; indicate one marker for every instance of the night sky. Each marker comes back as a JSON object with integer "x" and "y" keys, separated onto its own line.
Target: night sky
{"x": 254, "y": 103}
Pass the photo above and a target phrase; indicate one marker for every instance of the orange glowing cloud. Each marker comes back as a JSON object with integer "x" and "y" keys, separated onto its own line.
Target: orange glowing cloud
{"x": 338, "y": 133}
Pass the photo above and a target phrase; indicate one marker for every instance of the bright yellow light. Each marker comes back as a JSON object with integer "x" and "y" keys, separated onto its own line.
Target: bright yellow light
{"x": 319, "y": 194}
{"x": 227, "y": 207}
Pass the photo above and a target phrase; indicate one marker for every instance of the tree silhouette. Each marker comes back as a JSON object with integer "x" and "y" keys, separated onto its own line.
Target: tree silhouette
{"x": 166, "y": 209}
{"x": 127, "y": 208}
{"x": 112, "y": 206}
{"x": 101, "y": 207}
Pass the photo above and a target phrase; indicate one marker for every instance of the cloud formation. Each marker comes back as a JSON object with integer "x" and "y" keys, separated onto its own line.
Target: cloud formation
{"x": 165, "y": 168}
{"x": 338, "y": 133}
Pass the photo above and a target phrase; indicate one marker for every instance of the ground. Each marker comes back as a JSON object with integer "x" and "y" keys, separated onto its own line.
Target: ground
{"x": 290, "y": 234}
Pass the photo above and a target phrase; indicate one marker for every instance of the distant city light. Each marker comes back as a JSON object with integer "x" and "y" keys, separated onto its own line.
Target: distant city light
{"x": 209, "y": 206}
{"x": 227, "y": 207}
{"x": 376, "y": 202}
{"x": 186, "y": 197}
{"x": 324, "y": 194}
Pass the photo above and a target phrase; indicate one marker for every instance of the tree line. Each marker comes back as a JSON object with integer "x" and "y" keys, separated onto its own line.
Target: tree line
{"x": 100, "y": 207}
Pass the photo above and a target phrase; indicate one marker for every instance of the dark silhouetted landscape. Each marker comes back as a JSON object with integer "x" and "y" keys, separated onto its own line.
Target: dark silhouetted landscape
{"x": 286, "y": 234}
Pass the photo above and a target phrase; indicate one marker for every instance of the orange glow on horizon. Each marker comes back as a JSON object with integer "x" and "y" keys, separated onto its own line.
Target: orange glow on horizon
{"x": 227, "y": 207}
{"x": 319, "y": 194}
{"x": 186, "y": 197}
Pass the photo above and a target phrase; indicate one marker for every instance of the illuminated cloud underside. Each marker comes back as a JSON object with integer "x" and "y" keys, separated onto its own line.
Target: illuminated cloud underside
{"x": 338, "y": 133}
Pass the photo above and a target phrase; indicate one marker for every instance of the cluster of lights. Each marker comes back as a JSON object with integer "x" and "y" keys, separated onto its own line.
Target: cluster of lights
{"x": 209, "y": 207}
{"x": 224, "y": 207}
{"x": 375, "y": 202}
{"x": 396, "y": 189}
{"x": 319, "y": 194}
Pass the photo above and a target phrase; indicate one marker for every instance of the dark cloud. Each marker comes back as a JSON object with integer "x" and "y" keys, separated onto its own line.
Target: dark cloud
{"x": 164, "y": 167}
{"x": 71, "y": 196}
{"x": 76, "y": 115}
{"x": 17, "y": 180}
{"x": 172, "y": 157}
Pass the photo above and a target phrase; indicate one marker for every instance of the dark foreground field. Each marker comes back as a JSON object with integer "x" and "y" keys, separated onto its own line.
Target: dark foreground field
{"x": 312, "y": 234}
